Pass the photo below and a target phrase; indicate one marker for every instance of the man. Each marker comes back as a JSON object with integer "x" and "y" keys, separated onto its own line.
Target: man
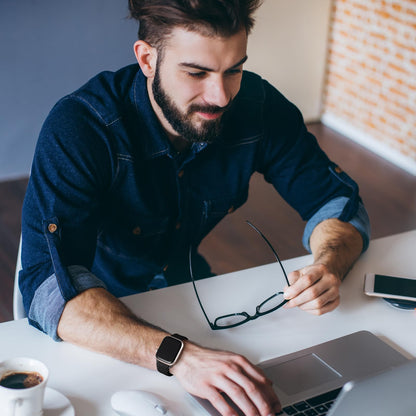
{"x": 138, "y": 165}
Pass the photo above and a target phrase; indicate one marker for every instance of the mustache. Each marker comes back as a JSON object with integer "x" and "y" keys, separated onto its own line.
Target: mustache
{"x": 208, "y": 109}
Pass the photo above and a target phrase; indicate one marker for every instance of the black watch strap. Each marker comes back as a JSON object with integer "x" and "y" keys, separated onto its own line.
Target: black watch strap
{"x": 163, "y": 366}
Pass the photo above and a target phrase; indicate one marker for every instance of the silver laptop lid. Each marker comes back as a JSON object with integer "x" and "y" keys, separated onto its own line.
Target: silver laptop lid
{"x": 392, "y": 392}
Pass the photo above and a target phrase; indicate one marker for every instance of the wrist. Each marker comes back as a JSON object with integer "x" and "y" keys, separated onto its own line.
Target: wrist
{"x": 331, "y": 267}
{"x": 336, "y": 245}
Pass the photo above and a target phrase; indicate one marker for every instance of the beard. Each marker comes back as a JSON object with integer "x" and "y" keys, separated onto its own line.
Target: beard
{"x": 207, "y": 131}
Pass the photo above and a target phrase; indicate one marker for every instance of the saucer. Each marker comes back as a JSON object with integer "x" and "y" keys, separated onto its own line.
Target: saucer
{"x": 56, "y": 404}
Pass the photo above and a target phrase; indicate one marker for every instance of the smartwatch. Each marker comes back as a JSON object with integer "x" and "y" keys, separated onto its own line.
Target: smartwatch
{"x": 169, "y": 352}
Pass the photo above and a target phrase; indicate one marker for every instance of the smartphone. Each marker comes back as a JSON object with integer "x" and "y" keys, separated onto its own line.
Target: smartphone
{"x": 392, "y": 287}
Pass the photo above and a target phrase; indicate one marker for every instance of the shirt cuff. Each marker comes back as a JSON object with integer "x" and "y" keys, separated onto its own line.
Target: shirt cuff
{"x": 48, "y": 303}
{"x": 333, "y": 209}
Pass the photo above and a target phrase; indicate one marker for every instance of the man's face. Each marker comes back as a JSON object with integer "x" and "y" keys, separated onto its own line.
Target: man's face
{"x": 196, "y": 81}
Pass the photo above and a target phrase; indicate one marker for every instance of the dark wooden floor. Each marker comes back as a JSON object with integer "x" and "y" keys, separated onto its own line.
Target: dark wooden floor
{"x": 389, "y": 194}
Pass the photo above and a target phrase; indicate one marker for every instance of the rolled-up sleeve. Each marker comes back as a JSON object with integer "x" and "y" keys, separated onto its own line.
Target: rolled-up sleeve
{"x": 48, "y": 302}
{"x": 334, "y": 209}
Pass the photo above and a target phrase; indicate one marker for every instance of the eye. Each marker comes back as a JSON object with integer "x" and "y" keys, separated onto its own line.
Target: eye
{"x": 199, "y": 74}
{"x": 234, "y": 71}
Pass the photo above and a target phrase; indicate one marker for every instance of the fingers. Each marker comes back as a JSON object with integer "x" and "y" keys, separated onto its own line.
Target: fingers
{"x": 253, "y": 395}
{"x": 214, "y": 375}
{"x": 253, "y": 390}
{"x": 313, "y": 289}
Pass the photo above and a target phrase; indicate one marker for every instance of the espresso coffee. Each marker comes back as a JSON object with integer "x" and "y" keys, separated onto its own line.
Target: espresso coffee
{"x": 21, "y": 380}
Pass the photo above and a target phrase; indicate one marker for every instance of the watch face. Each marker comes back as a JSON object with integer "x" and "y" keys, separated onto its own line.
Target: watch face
{"x": 169, "y": 349}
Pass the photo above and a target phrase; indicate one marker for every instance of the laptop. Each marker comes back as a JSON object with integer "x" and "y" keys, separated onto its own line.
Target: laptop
{"x": 391, "y": 393}
{"x": 321, "y": 379}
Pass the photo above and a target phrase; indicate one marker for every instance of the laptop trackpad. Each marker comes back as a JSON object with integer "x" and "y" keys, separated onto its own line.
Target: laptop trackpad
{"x": 300, "y": 374}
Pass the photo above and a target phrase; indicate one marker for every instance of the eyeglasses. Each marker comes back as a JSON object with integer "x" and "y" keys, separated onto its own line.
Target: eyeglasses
{"x": 232, "y": 320}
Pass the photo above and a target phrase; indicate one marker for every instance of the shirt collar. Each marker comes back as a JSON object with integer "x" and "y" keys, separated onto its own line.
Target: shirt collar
{"x": 154, "y": 139}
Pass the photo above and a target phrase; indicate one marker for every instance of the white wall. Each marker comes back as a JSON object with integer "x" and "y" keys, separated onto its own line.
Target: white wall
{"x": 288, "y": 47}
{"x": 49, "y": 48}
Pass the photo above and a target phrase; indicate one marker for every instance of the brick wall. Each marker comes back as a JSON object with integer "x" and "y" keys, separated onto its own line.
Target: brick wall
{"x": 370, "y": 92}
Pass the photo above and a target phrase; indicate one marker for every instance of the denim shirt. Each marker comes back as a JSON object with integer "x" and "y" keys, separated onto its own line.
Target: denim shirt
{"x": 111, "y": 204}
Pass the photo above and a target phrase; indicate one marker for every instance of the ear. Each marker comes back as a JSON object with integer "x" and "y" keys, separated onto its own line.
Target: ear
{"x": 146, "y": 56}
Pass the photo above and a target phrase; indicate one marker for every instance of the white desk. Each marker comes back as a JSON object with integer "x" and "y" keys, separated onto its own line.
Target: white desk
{"x": 89, "y": 379}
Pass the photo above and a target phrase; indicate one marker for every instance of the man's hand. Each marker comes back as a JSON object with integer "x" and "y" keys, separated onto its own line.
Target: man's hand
{"x": 314, "y": 289}
{"x": 335, "y": 246}
{"x": 207, "y": 373}
{"x": 97, "y": 320}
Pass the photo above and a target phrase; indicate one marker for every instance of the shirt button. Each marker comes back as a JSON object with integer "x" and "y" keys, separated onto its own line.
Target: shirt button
{"x": 52, "y": 228}
{"x": 137, "y": 231}
{"x": 165, "y": 268}
{"x": 231, "y": 209}
{"x": 178, "y": 225}
{"x": 180, "y": 174}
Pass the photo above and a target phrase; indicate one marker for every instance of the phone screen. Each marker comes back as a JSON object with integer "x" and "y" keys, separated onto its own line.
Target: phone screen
{"x": 394, "y": 286}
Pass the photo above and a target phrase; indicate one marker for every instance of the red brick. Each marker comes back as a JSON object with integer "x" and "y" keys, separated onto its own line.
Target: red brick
{"x": 379, "y": 100}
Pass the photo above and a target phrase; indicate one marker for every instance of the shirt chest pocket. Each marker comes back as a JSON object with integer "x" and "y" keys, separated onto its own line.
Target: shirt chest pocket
{"x": 135, "y": 238}
{"x": 214, "y": 210}
{"x": 146, "y": 228}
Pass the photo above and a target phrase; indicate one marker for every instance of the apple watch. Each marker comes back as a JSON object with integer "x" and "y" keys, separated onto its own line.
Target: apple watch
{"x": 169, "y": 352}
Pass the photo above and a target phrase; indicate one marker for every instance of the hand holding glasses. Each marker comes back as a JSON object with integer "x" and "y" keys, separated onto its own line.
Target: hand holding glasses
{"x": 269, "y": 305}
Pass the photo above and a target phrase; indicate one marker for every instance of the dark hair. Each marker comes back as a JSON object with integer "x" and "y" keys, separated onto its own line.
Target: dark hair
{"x": 157, "y": 18}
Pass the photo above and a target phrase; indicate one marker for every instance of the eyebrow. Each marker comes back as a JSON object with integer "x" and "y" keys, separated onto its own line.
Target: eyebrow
{"x": 203, "y": 68}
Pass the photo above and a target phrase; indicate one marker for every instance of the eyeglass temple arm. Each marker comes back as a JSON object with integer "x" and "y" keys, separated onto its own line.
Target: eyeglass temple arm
{"x": 271, "y": 248}
{"x": 196, "y": 292}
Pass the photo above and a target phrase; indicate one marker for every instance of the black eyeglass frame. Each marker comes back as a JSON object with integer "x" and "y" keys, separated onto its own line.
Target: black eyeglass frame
{"x": 247, "y": 317}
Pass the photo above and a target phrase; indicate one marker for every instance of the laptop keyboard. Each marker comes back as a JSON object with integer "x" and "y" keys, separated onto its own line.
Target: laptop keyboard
{"x": 315, "y": 406}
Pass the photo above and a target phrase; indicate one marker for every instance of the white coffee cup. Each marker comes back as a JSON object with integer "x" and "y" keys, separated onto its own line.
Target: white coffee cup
{"x": 17, "y": 400}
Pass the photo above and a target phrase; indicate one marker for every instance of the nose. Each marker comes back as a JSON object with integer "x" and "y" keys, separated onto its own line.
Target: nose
{"x": 217, "y": 92}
